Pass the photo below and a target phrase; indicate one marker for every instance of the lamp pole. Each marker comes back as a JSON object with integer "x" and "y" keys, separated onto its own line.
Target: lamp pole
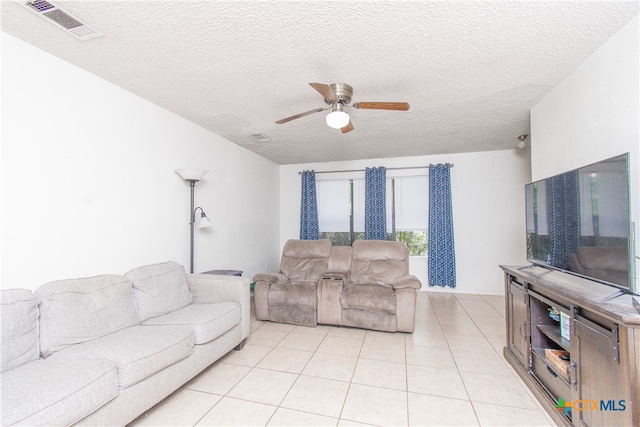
{"x": 192, "y": 184}
{"x": 192, "y": 176}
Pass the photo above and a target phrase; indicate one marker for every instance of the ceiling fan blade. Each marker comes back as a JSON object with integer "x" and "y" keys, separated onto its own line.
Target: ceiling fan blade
{"x": 325, "y": 91}
{"x": 400, "y": 106}
{"x": 348, "y": 128}
{"x": 297, "y": 116}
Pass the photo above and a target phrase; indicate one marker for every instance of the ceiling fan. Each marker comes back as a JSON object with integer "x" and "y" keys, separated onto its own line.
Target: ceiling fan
{"x": 338, "y": 96}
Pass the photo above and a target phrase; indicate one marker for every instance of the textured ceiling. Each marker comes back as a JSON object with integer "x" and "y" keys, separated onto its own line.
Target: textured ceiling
{"x": 470, "y": 69}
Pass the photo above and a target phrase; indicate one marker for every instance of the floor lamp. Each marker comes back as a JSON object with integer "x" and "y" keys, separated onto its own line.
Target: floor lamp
{"x": 192, "y": 176}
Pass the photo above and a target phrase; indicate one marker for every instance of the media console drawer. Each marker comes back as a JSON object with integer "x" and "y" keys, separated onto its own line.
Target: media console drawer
{"x": 549, "y": 379}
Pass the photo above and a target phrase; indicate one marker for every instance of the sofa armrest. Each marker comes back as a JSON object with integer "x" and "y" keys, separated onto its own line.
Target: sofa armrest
{"x": 408, "y": 281}
{"x": 336, "y": 274}
{"x": 210, "y": 289}
{"x": 270, "y": 277}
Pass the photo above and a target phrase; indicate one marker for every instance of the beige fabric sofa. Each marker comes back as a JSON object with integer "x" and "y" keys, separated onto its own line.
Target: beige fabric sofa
{"x": 104, "y": 349}
{"x": 364, "y": 286}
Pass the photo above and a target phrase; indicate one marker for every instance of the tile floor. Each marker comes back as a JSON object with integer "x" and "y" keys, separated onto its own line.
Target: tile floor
{"x": 450, "y": 371}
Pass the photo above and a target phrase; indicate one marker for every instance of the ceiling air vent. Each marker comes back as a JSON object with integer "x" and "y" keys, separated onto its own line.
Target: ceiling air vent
{"x": 260, "y": 137}
{"x": 62, "y": 19}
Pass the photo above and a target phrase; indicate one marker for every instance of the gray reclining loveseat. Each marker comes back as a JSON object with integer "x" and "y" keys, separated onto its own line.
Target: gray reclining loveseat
{"x": 365, "y": 286}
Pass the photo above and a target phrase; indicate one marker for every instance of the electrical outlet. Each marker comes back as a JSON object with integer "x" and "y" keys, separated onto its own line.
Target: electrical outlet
{"x": 266, "y": 265}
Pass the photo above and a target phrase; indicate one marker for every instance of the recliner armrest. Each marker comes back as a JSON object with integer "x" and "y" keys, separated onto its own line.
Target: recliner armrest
{"x": 270, "y": 277}
{"x": 336, "y": 274}
{"x": 409, "y": 281}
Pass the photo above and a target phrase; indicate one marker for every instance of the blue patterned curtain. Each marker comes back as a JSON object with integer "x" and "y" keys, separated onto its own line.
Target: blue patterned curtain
{"x": 441, "y": 255}
{"x": 375, "y": 203}
{"x": 309, "y": 229}
{"x": 563, "y": 216}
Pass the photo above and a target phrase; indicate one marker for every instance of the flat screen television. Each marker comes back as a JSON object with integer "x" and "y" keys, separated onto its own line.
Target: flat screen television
{"x": 580, "y": 222}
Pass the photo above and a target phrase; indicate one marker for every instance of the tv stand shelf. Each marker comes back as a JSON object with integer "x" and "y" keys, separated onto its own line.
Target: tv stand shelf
{"x": 600, "y": 360}
{"x": 554, "y": 334}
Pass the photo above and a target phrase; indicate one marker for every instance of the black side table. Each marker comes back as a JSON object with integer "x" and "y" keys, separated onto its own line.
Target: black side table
{"x": 224, "y": 272}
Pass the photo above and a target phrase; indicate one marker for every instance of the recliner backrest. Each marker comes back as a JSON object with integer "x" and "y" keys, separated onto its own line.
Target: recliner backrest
{"x": 378, "y": 262}
{"x": 340, "y": 258}
{"x": 305, "y": 260}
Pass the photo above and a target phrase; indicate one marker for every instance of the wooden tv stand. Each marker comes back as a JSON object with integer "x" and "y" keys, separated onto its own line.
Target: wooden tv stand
{"x": 598, "y": 383}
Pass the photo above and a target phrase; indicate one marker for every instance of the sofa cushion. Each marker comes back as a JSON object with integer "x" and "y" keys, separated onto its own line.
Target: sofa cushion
{"x": 206, "y": 321}
{"x": 340, "y": 258}
{"x": 19, "y": 326}
{"x": 305, "y": 259}
{"x": 77, "y": 310}
{"x": 378, "y": 262}
{"x": 293, "y": 294}
{"x": 369, "y": 297}
{"x": 56, "y": 390}
{"x": 159, "y": 289}
{"x": 138, "y": 352}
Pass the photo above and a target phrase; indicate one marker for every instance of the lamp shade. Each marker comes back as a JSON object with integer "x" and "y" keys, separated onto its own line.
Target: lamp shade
{"x": 191, "y": 174}
{"x": 204, "y": 222}
{"x": 337, "y": 119}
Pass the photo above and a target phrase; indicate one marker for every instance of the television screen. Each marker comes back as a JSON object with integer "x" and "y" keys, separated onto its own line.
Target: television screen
{"x": 579, "y": 222}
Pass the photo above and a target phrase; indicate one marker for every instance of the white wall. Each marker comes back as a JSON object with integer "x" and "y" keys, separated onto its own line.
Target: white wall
{"x": 88, "y": 181}
{"x": 593, "y": 114}
{"x": 488, "y": 210}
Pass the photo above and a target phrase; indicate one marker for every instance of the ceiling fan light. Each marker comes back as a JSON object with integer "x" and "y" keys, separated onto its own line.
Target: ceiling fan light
{"x": 337, "y": 119}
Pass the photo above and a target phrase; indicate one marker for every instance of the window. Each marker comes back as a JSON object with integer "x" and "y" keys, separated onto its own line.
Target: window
{"x": 341, "y": 211}
{"x": 411, "y": 212}
{"x": 334, "y": 211}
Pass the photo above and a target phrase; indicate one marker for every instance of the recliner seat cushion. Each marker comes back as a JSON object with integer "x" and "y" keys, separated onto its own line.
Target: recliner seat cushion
{"x": 159, "y": 289}
{"x": 77, "y": 310}
{"x": 206, "y": 321}
{"x": 369, "y": 297}
{"x": 138, "y": 352}
{"x": 19, "y": 326}
{"x": 293, "y": 293}
{"x": 56, "y": 390}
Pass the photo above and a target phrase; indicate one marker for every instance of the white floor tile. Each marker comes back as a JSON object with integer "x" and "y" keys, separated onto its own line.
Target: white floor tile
{"x": 250, "y": 355}
{"x": 436, "y": 382}
{"x": 331, "y": 366}
{"x": 425, "y": 410}
{"x": 507, "y": 391}
{"x": 236, "y": 412}
{"x": 450, "y": 371}
{"x": 379, "y": 373}
{"x": 496, "y": 415}
{"x": 285, "y": 360}
{"x": 264, "y": 386}
{"x": 317, "y": 396}
{"x": 289, "y": 417}
{"x": 374, "y": 405}
{"x": 218, "y": 378}
{"x": 184, "y": 407}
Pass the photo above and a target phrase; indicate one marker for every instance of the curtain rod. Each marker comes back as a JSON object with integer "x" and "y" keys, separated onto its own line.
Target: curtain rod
{"x": 362, "y": 170}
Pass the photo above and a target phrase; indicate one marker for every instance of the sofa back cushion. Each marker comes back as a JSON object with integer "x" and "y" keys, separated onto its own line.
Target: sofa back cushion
{"x": 378, "y": 262}
{"x": 305, "y": 260}
{"x": 74, "y": 311}
{"x": 19, "y": 328}
{"x": 159, "y": 289}
{"x": 340, "y": 258}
